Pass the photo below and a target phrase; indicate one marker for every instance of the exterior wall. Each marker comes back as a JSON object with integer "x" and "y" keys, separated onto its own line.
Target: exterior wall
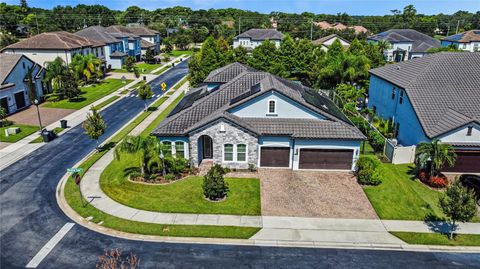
{"x": 325, "y": 144}
{"x": 230, "y": 135}
{"x": 275, "y": 141}
{"x": 407, "y": 46}
{"x": 380, "y": 98}
{"x": 460, "y": 135}
{"x": 285, "y": 108}
{"x": 331, "y": 40}
{"x": 174, "y": 139}
{"x": 470, "y": 46}
{"x": 17, "y": 76}
{"x": 116, "y": 63}
{"x": 251, "y": 44}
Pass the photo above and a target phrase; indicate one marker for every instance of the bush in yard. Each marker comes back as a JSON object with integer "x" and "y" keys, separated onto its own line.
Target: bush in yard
{"x": 176, "y": 166}
{"x": 169, "y": 177}
{"x": 214, "y": 185}
{"x": 436, "y": 181}
{"x": 366, "y": 172}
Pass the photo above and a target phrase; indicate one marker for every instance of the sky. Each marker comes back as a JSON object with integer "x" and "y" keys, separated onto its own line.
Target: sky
{"x": 352, "y": 7}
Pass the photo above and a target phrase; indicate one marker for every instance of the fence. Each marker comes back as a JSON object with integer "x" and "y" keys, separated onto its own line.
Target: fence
{"x": 398, "y": 154}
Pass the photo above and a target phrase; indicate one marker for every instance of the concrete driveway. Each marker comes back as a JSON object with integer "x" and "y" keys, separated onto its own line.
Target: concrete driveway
{"x": 313, "y": 194}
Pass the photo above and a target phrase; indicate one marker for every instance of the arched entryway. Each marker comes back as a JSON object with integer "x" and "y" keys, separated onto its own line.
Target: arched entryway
{"x": 205, "y": 148}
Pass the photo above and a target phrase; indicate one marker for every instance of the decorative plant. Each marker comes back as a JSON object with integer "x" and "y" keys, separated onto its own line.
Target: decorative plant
{"x": 214, "y": 185}
{"x": 94, "y": 125}
{"x": 434, "y": 154}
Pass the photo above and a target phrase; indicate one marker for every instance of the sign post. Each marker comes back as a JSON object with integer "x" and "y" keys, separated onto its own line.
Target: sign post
{"x": 164, "y": 86}
{"x": 76, "y": 176}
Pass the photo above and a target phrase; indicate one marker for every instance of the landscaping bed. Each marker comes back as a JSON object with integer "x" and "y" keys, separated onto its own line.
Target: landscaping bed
{"x": 438, "y": 239}
{"x": 89, "y": 94}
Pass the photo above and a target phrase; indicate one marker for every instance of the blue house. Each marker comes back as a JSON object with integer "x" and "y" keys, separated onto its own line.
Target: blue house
{"x": 436, "y": 96}
{"x": 131, "y": 42}
{"x": 468, "y": 41}
{"x": 241, "y": 117}
{"x": 15, "y": 72}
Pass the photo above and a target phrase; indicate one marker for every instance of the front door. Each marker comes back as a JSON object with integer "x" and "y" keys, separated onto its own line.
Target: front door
{"x": 20, "y": 100}
{"x": 207, "y": 147}
{"x": 4, "y": 104}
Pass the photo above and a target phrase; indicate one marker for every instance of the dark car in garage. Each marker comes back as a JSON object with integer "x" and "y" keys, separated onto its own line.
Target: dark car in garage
{"x": 472, "y": 182}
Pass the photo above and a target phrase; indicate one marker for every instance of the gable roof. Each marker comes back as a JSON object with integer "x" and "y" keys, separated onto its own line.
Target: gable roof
{"x": 7, "y": 64}
{"x": 227, "y": 73}
{"x": 444, "y": 88}
{"x": 324, "y": 39}
{"x": 421, "y": 42}
{"x": 465, "y": 37}
{"x": 98, "y": 33}
{"x": 261, "y": 34}
{"x": 118, "y": 31}
{"x": 323, "y": 25}
{"x": 55, "y": 40}
{"x": 206, "y": 107}
{"x": 137, "y": 30}
{"x": 144, "y": 44}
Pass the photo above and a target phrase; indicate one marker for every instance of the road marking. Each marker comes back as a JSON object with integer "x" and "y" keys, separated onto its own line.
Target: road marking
{"x": 49, "y": 245}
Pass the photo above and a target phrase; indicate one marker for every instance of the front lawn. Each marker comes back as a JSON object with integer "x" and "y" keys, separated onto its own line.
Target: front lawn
{"x": 438, "y": 239}
{"x": 143, "y": 68}
{"x": 89, "y": 94}
{"x": 25, "y": 130}
{"x": 183, "y": 196}
{"x": 177, "y": 53}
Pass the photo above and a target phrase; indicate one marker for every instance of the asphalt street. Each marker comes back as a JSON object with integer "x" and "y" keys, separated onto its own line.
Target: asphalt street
{"x": 30, "y": 217}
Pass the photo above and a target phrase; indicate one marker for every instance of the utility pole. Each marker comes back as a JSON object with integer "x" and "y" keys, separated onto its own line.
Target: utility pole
{"x": 448, "y": 28}
{"x": 84, "y": 24}
{"x": 239, "y": 24}
{"x": 311, "y": 30}
{"x": 99, "y": 20}
{"x": 36, "y": 21}
{"x": 458, "y": 24}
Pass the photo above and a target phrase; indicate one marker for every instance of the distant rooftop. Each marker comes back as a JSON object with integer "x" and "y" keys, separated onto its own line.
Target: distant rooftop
{"x": 421, "y": 42}
{"x": 55, "y": 40}
{"x": 465, "y": 37}
{"x": 98, "y": 33}
{"x": 261, "y": 34}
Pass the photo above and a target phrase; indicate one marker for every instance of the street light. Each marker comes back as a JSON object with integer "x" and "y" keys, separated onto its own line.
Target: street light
{"x": 38, "y": 113}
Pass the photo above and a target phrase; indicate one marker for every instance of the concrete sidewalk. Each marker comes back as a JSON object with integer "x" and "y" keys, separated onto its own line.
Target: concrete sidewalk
{"x": 21, "y": 148}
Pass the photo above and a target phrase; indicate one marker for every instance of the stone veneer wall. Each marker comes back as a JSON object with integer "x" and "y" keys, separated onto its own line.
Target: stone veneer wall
{"x": 231, "y": 135}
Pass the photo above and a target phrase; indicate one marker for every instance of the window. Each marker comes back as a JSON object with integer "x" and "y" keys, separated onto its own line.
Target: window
{"x": 401, "y": 97}
{"x": 469, "y": 131}
{"x": 393, "y": 93}
{"x": 241, "y": 153}
{"x": 272, "y": 109}
{"x": 228, "y": 152}
{"x": 180, "y": 149}
{"x": 23, "y": 64}
{"x": 168, "y": 148}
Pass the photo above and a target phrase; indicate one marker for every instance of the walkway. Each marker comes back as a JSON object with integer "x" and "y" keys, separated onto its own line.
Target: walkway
{"x": 21, "y": 148}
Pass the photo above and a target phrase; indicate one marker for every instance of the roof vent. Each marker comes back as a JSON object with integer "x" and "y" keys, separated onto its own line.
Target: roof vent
{"x": 398, "y": 67}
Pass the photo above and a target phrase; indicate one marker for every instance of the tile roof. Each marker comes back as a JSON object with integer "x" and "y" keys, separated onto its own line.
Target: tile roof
{"x": 465, "y": 37}
{"x": 118, "y": 31}
{"x": 444, "y": 88}
{"x": 55, "y": 40}
{"x": 323, "y": 25}
{"x": 227, "y": 73}
{"x": 98, "y": 33}
{"x": 339, "y": 26}
{"x": 421, "y": 42}
{"x": 216, "y": 104}
{"x": 7, "y": 63}
{"x": 138, "y": 30}
{"x": 144, "y": 44}
{"x": 261, "y": 34}
{"x": 118, "y": 54}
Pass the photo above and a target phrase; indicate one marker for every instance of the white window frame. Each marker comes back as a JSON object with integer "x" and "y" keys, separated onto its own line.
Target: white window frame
{"x": 275, "y": 107}
{"x": 174, "y": 146}
{"x": 246, "y": 153}
{"x": 234, "y": 153}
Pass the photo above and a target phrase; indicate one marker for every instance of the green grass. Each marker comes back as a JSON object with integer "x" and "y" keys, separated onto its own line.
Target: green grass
{"x": 136, "y": 85}
{"x": 39, "y": 139}
{"x": 72, "y": 195}
{"x": 162, "y": 116}
{"x": 183, "y": 196}
{"x": 25, "y": 130}
{"x": 143, "y": 68}
{"x": 89, "y": 94}
{"x": 177, "y": 53}
{"x": 438, "y": 239}
{"x": 107, "y": 102}
{"x": 180, "y": 83}
{"x": 162, "y": 70}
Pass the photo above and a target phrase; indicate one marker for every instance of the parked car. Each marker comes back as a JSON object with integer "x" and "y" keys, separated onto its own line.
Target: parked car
{"x": 472, "y": 182}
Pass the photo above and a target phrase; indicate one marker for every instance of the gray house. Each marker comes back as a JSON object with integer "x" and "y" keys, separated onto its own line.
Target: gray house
{"x": 254, "y": 37}
{"x": 243, "y": 117}
{"x": 14, "y": 90}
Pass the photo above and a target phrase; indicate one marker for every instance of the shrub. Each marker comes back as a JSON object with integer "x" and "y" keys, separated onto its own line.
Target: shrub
{"x": 366, "y": 172}
{"x": 214, "y": 185}
{"x": 367, "y": 162}
{"x": 169, "y": 177}
{"x": 176, "y": 166}
{"x": 437, "y": 182}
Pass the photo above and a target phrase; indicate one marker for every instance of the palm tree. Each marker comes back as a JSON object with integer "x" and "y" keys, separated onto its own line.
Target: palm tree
{"x": 383, "y": 45}
{"x": 150, "y": 150}
{"x": 437, "y": 154}
{"x": 55, "y": 73}
{"x": 86, "y": 67}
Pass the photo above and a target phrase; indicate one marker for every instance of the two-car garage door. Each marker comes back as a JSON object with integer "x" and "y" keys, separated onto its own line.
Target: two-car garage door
{"x": 337, "y": 159}
{"x": 466, "y": 162}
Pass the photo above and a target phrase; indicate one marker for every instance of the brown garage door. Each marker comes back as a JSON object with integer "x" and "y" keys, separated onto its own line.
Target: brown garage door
{"x": 467, "y": 161}
{"x": 326, "y": 159}
{"x": 274, "y": 157}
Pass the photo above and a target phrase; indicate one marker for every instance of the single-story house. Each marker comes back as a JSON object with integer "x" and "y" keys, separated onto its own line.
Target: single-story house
{"x": 468, "y": 41}
{"x": 254, "y": 37}
{"x": 325, "y": 42}
{"x": 242, "y": 117}
{"x": 46, "y": 47}
{"x": 405, "y": 44}
{"x": 436, "y": 96}
{"x": 14, "y": 76}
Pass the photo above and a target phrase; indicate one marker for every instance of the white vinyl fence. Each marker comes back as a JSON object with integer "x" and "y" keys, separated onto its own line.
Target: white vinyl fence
{"x": 398, "y": 154}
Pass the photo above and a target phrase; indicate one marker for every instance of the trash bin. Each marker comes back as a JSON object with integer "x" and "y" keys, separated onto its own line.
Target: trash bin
{"x": 173, "y": 64}
{"x": 145, "y": 78}
{"x": 63, "y": 124}
{"x": 181, "y": 59}
{"x": 46, "y": 136}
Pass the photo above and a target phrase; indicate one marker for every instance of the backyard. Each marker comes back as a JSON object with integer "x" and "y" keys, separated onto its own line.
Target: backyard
{"x": 89, "y": 94}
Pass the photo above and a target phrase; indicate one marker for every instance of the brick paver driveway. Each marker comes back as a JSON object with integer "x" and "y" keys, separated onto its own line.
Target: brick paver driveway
{"x": 48, "y": 115}
{"x": 313, "y": 194}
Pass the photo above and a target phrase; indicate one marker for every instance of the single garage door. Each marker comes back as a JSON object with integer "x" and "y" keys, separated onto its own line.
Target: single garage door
{"x": 467, "y": 161}
{"x": 340, "y": 159}
{"x": 274, "y": 157}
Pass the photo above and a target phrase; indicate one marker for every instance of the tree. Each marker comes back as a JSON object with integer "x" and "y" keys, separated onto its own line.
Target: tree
{"x": 94, "y": 125}
{"x": 199, "y": 34}
{"x": 149, "y": 56}
{"x": 144, "y": 93}
{"x": 383, "y": 45}
{"x": 3, "y": 117}
{"x": 167, "y": 43}
{"x": 435, "y": 153}
{"x": 55, "y": 72}
{"x": 181, "y": 41}
{"x": 458, "y": 204}
{"x": 214, "y": 185}
{"x": 6, "y": 39}
{"x": 264, "y": 57}
{"x": 450, "y": 48}
{"x": 86, "y": 68}
{"x": 130, "y": 63}
{"x": 240, "y": 54}
{"x": 32, "y": 91}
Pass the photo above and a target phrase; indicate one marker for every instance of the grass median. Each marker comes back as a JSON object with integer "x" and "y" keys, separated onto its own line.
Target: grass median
{"x": 25, "y": 130}
{"x": 438, "y": 239}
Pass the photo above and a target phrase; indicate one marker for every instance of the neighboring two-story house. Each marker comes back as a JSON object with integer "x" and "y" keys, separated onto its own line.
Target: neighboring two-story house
{"x": 241, "y": 117}
{"x": 325, "y": 42}
{"x": 468, "y": 41}
{"x": 114, "y": 50}
{"x": 436, "y": 96}
{"x": 405, "y": 44}
{"x": 131, "y": 42}
{"x": 254, "y": 37}
{"x": 15, "y": 72}
{"x": 46, "y": 47}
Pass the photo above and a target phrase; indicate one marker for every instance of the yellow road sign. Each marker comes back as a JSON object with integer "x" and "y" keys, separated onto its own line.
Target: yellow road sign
{"x": 164, "y": 86}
